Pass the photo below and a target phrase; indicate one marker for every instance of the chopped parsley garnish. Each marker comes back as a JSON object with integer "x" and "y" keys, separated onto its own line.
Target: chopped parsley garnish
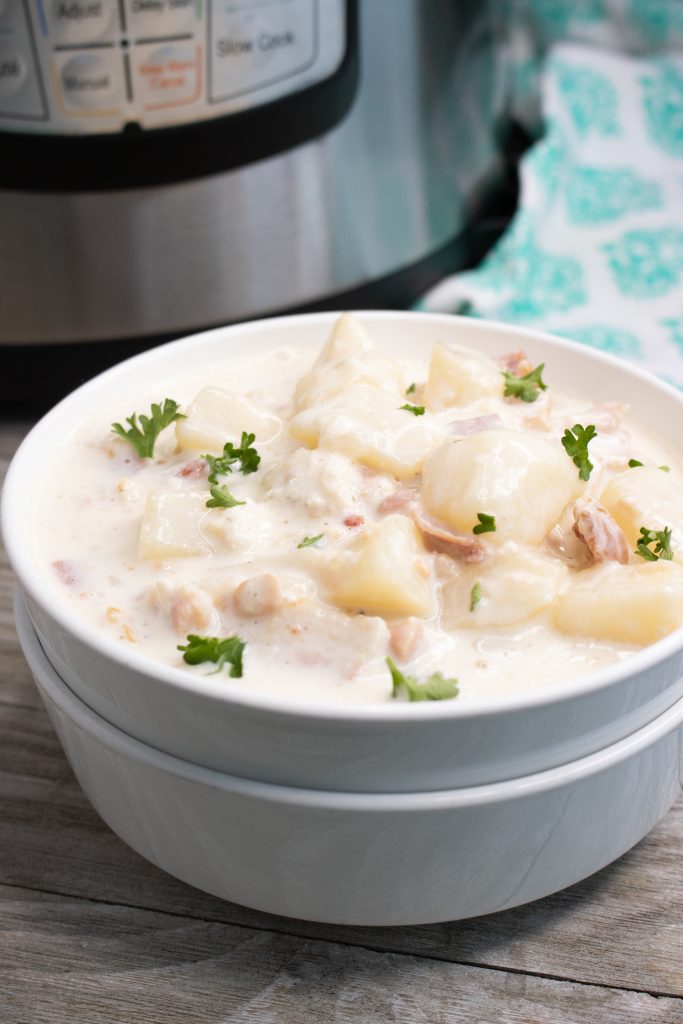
{"x": 475, "y": 595}
{"x": 143, "y": 434}
{"x": 575, "y": 443}
{"x": 634, "y": 462}
{"x": 486, "y": 524}
{"x": 411, "y": 388}
{"x": 525, "y": 388}
{"x": 212, "y": 648}
{"x": 417, "y": 410}
{"x": 248, "y": 458}
{"x": 307, "y": 541}
{"x": 222, "y": 498}
{"x": 661, "y": 541}
{"x": 436, "y": 686}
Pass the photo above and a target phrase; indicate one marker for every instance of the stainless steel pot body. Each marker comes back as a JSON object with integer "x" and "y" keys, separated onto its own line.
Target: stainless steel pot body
{"x": 396, "y": 179}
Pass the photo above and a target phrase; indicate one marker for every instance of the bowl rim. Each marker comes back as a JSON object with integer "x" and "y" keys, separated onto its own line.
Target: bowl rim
{"x": 142, "y": 664}
{"x": 49, "y": 682}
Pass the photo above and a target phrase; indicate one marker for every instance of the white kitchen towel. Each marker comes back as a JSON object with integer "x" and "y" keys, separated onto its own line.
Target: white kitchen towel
{"x": 595, "y": 250}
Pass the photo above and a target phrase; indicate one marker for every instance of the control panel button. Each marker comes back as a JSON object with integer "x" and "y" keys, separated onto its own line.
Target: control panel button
{"x": 167, "y": 75}
{"x": 158, "y": 18}
{"x": 92, "y": 81}
{"x": 72, "y": 22}
{"x": 13, "y": 71}
{"x": 20, "y": 86}
{"x": 253, "y": 46}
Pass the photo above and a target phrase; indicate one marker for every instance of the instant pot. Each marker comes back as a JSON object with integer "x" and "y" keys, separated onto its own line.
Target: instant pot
{"x": 170, "y": 165}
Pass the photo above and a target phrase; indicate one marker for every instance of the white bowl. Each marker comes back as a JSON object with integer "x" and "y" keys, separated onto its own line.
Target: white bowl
{"x": 360, "y": 858}
{"x": 391, "y": 747}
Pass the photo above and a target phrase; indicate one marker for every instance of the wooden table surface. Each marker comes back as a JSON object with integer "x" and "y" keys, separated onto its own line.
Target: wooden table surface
{"x": 90, "y": 932}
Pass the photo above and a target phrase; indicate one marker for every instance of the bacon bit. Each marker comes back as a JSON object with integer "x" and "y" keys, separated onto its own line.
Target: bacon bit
{"x": 437, "y": 538}
{"x": 516, "y": 362}
{"x": 66, "y": 573}
{"x": 404, "y": 638}
{"x": 127, "y": 634}
{"x": 397, "y": 502}
{"x": 354, "y": 521}
{"x": 260, "y": 595}
{"x": 113, "y": 614}
{"x": 607, "y": 417}
{"x": 463, "y": 428}
{"x": 195, "y": 469}
{"x": 601, "y": 534}
{"x": 455, "y": 545}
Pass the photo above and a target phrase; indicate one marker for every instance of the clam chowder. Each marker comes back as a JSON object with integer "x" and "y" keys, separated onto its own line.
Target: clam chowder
{"x": 344, "y": 526}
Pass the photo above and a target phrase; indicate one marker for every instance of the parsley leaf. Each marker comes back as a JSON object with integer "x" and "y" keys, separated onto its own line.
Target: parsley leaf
{"x": 307, "y": 541}
{"x": 222, "y": 498}
{"x": 411, "y": 388}
{"x": 661, "y": 539}
{"x": 475, "y": 595}
{"x": 575, "y": 443}
{"x": 436, "y": 687}
{"x": 633, "y": 463}
{"x": 525, "y": 388}
{"x": 248, "y": 457}
{"x": 417, "y": 410}
{"x": 486, "y": 524}
{"x": 664, "y": 469}
{"x": 143, "y": 435}
{"x": 212, "y": 648}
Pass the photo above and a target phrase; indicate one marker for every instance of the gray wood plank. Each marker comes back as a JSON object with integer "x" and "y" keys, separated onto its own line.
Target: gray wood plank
{"x": 66, "y": 960}
{"x": 624, "y": 925}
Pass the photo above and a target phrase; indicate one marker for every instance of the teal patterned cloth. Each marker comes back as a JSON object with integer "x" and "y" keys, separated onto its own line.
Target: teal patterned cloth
{"x": 595, "y": 250}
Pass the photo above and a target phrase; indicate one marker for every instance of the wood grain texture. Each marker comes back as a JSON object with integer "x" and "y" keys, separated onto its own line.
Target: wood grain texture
{"x": 91, "y": 932}
{"x": 69, "y": 960}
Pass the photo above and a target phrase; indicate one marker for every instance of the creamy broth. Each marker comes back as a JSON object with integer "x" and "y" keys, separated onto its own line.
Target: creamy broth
{"x": 132, "y": 548}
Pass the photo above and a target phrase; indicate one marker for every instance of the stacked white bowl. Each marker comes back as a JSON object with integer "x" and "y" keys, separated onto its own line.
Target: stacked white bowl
{"x": 367, "y": 815}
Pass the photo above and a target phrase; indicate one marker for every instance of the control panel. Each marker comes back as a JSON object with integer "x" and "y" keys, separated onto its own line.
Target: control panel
{"x": 82, "y": 66}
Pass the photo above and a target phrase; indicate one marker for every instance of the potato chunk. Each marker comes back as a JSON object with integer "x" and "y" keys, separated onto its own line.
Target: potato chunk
{"x": 216, "y": 416}
{"x": 460, "y": 375}
{"x": 171, "y": 525}
{"x": 331, "y": 378}
{"x": 516, "y": 585}
{"x": 381, "y": 572}
{"x": 522, "y": 480}
{"x": 368, "y": 425}
{"x": 348, "y": 337}
{"x": 648, "y": 497}
{"x": 631, "y": 604}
